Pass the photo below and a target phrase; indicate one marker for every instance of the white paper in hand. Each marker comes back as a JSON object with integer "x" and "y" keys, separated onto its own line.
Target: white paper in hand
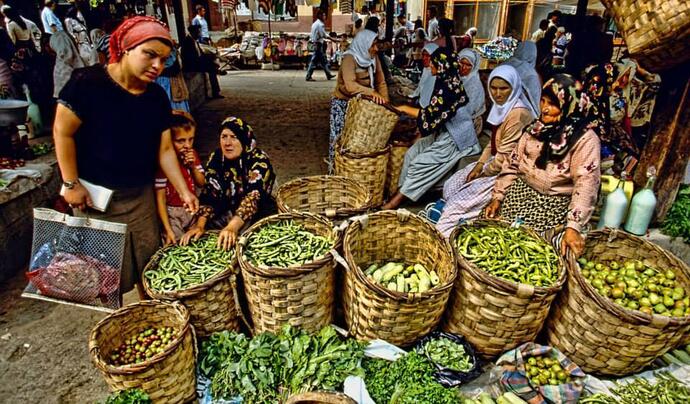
{"x": 100, "y": 196}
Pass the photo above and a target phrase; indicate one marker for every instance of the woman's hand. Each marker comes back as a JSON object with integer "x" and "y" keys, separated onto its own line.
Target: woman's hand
{"x": 572, "y": 239}
{"x": 227, "y": 238}
{"x": 170, "y": 238}
{"x": 378, "y": 98}
{"x": 78, "y": 197}
{"x": 192, "y": 234}
{"x": 475, "y": 173}
{"x": 493, "y": 209}
{"x": 191, "y": 202}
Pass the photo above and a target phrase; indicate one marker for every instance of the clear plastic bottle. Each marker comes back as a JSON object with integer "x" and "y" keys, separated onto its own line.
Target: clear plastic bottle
{"x": 615, "y": 206}
{"x": 642, "y": 207}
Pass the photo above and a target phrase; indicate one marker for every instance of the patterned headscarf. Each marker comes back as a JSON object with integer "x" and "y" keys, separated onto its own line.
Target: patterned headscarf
{"x": 135, "y": 31}
{"x": 449, "y": 94}
{"x": 579, "y": 113}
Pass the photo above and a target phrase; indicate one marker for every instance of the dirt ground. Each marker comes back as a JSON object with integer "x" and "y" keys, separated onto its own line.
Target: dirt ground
{"x": 44, "y": 354}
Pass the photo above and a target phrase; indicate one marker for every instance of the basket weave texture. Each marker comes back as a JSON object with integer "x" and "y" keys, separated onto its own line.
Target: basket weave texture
{"x": 656, "y": 32}
{"x": 599, "y": 335}
{"x": 369, "y": 169}
{"x": 212, "y": 305}
{"x": 327, "y": 195}
{"x": 371, "y": 310}
{"x": 301, "y": 296}
{"x": 395, "y": 163}
{"x": 494, "y": 314}
{"x": 168, "y": 377}
{"x": 367, "y": 126}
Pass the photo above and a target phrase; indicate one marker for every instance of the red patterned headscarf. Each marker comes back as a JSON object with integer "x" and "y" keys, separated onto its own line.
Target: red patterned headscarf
{"x": 135, "y": 31}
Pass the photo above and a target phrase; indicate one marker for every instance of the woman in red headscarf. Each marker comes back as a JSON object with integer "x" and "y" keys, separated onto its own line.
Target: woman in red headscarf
{"x": 112, "y": 129}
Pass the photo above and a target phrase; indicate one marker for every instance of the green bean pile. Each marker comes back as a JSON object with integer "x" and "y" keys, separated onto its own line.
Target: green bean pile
{"x": 667, "y": 390}
{"x": 511, "y": 254}
{"x": 182, "y": 267}
{"x": 285, "y": 244}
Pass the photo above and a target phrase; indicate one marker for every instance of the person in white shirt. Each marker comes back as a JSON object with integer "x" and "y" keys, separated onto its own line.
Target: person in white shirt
{"x": 432, "y": 28}
{"x": 539, "y": 34}
{"x": 554, "y": 18}
{"x": 51, "y": 23}
{"x": 318, "y": 38}
{"x": 20, "y": 28}
{"x": 201, "y": 22}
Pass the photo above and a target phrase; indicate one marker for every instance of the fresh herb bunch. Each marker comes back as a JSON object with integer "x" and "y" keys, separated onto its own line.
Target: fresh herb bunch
{"x": 132, "y": 396}
{"x": 677, "y": 223}
{"x": 410, "y": 379}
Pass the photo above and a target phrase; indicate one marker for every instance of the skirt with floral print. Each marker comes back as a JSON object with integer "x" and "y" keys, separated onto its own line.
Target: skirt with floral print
{"x": 338, "y": 110}
{"x": 537, "y": 211}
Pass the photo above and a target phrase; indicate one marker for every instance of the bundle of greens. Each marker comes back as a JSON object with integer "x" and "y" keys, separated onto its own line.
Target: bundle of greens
{"x": 677, "y": 223}
{"x": 270, "y": 368}
{"x": 133, "y": 396}
{"x": 408, "y": 380}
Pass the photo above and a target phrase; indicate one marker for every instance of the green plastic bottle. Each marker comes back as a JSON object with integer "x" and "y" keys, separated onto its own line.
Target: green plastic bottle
{"x": 642, "y": 207}
{"x": 615, "y": 207}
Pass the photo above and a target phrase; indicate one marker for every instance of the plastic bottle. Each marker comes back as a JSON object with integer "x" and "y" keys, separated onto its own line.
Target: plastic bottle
{"x": 34, "y": 115}
{"x": 615, "y": 206}
{"x": 642, "y": 207}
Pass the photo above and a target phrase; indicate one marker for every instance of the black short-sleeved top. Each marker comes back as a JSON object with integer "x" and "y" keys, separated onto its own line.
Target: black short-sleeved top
{"x": 119, "y": 138}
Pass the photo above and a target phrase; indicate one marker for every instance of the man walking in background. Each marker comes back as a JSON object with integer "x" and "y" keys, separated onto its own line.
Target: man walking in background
{"x": 51, "y": 23}
{"x": 200, "y": 21}
{"x": 318, "y": 38}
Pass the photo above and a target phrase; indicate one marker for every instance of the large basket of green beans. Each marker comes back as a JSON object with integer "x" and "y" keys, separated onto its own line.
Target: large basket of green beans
{"x": 288, "y": 271}
{"x": 627, "y": 302}
{"x": 508, "y": 279}
{"x": 202, "y": 277}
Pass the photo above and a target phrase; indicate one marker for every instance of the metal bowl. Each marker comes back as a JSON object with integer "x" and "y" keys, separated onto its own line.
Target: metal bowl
{"x": 13, "y": 112}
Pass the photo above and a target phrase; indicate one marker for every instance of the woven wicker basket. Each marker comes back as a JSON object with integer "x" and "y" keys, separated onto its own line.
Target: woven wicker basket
{"x": 320, "y": 397}
{"x": 302, "y": 296}
{"x": 331, "y": 196}
{"x": 366, "y": 169}
{"x": 395, "y": 163}
{"x": 496, "y": 315}
{"x": 168, "y": 377}
{"x": 597, "y": 334}
{"x": 212, "y": 305}
{"x": 367, "y": 126}
{"x": 656, "y": 32}
{"x": 371, "y": 310}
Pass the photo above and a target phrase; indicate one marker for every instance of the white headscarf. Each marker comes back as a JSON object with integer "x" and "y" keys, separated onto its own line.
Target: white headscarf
{"x": 359, "y": 49}
{"x": 427, "y": 81}
{"x": 524, "y": 60}
{"x": 473, "y": 84}
{"x": 517, "y": 98}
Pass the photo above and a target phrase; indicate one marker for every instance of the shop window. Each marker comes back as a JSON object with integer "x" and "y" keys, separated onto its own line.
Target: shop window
{"x": 463, "y": 16}
{"x": 515, "y": 24}
{"x": 477, "y": 13}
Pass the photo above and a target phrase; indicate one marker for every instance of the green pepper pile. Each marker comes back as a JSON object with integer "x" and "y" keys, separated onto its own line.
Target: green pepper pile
{"x": 182, "y": 267}
{"x": 543, "y": 370}
{"x": 511, "y": 254}
{"x": 667, "y": 389}
{"x": 636, "y": 286}
{"x": 285, "y": 244}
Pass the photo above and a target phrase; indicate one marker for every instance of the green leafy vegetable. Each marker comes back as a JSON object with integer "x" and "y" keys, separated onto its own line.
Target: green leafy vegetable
{"x": 667, "y": 389}
{"x": 448, "y": 354}
{"x": 677, "y": 223}
{"x": 133, "y": 396}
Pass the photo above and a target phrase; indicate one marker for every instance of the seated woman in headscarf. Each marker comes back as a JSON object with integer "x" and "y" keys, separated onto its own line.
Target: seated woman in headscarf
{"x": 239, "y": 180}
{"x": 551, "y": 178}
{"x": 360, "y": 73}
{"x": 469, "y": 74}
{"x": 447, "y": 130}
{"x": 467, "y": 40}
{"x": 469, "y": 190}
{"x": 425, "y": 88}
{"x": 524, "y": 60}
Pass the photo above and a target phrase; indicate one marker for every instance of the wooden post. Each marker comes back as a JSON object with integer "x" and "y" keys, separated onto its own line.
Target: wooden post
{"x": 669, "y": 147}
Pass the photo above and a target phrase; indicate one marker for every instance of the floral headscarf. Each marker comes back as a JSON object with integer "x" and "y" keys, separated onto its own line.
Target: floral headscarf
{"x": 240, "y": 186}
{"x": 449, "y": 94}
{"x": 579, "y": 113}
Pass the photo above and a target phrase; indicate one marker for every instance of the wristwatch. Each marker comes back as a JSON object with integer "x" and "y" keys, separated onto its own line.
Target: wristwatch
{"x": 70, "y": 184}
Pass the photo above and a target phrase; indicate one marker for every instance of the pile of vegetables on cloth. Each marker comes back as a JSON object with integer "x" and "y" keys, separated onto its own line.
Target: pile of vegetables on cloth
{"x": 285, "y": 244}
{"x": 143, "y": 346}
{"x": 398, "y": 278}
{"x": 511, "y": 254}
{"x": 636, "y": 286}
{"x": 667, "y": 389}
{"x": 270, "y": 368}
{"x": 677, "y": 222}
{"x": 545, "y": 370}
{"x": 448, "y": 354}
{"x": 182, "y": 267}
{"x": 132, "y": 396}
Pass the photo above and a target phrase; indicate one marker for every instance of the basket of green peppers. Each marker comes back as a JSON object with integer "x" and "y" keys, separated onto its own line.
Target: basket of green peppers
{"x": 201, "y": 276}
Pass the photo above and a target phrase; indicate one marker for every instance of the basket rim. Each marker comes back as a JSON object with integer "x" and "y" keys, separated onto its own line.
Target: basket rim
{"x": 95, "y": 351}
{"x": 191, "y": 291}
{"x": 279, "y": 272}
{"x": 498, "y": 282}
{"x": 401, "y": 215}
{"x": 632, "y": 316}
{"x": 346, "y": 153}
{"x": 338, "y": 212}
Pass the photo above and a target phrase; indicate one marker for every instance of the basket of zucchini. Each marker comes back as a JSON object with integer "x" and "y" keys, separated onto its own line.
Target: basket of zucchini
{"x": 202, "y": 277}
{"x": 398, "y": 276}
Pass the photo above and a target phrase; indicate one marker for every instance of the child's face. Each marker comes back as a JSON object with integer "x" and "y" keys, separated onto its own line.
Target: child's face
{"x": 183, "y": 139}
